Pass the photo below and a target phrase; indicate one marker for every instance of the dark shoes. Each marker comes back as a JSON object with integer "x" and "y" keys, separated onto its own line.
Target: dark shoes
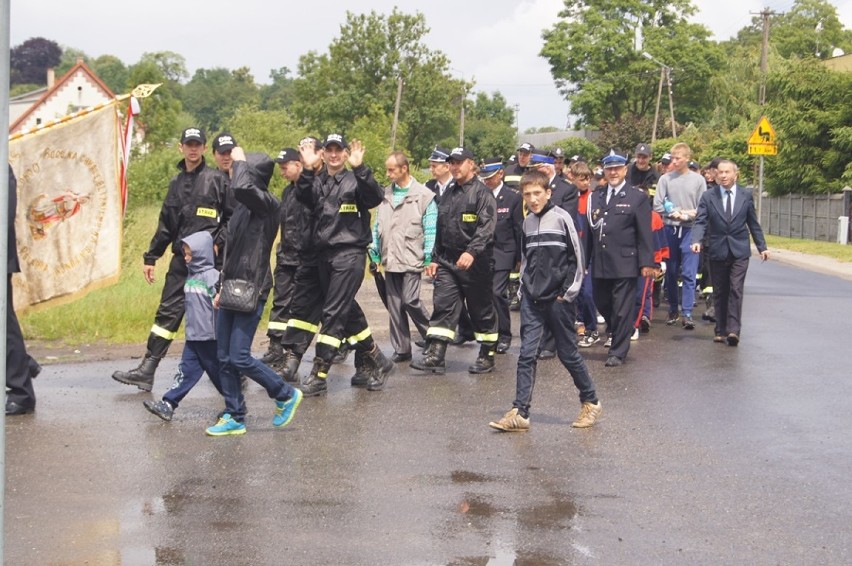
{"x": 362, "y": 370}
{"x": 13, "y": 408}
{"x": 645, "y": 325}
{"x": 484, "y": 361}
{"x": 503, "y": 345}
{"x": 433, "y": 358}
{"x": 316, "y": 382}
{"x": 342, "y": 354}
{"x": 688, "y": 323}
{"x": 613, "y": 361}
{"x": 397, "y": 358}
{"x": 546, "y": 355}
{"x": 142, "y": 376}
{"x": 161, "y": 408}
{"x": 673, "y": 318}
{"x": 380, "y": 370}
{"x": 718, "y": 339}
{"x": 733, "y": 339}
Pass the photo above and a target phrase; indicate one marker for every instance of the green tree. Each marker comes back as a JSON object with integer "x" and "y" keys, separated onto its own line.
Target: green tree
{"x": 811, "y": 28}
{"x": 257, "y": 129}
{"x": 489, "y": 126}
{"x": 214, "y": 94}
{"x": 810, "y": 107}
{"x": 361, "y": 70}
{"x": 112, "y": 71}
{"x": 160, "y": 111}
{"x": 580, "y": 146}
{"x": 279, "y": 94}
{"x": 593, "y": 61}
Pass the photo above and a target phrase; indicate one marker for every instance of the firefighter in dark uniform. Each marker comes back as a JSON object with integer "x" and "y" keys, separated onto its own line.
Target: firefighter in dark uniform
{"x": 514, "y": 171}
{"x": 292, "y": 224}
{"x": 341, "y": 201}
{"x": 507, "y": 244}
{"x": 197, "y": 200}
{"x": 558, "y": 155}
{"x": 462, "y": 264}
{"x": 622, "y": 249}
{"x": 304, "y": 310}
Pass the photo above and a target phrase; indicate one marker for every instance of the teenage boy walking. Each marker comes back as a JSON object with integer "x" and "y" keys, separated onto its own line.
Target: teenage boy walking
{"x": 551, "y": 276}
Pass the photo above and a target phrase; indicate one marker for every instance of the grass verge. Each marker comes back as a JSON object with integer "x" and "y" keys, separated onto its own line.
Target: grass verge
{"x": 826, "y": 249}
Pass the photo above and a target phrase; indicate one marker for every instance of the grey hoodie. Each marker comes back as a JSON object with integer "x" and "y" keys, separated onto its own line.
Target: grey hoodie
{"x": 200, "y": 288}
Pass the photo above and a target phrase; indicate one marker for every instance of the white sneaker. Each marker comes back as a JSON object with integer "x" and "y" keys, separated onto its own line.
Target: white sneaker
{"x": 601, "y": 319}
{"x": 608, "y": 342}
{"x": 635, "y": 336}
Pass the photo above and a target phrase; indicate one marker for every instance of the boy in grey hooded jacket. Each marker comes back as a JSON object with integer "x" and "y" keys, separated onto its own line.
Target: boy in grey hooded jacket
{"x": 199, "y": 352}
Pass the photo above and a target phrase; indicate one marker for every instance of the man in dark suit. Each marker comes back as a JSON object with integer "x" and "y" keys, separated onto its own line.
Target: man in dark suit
{"x": 728, "y": 215}
{"x": 622, "y": 249}
{"x": 507, "y": 244}
{"x": 440, "y": 170}
{"x": 21, "y": 368}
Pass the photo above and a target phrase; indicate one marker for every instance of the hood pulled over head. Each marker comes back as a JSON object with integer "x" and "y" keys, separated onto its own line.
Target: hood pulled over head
{"x": 201, "y": 246}
{"x": 262, "y": 168}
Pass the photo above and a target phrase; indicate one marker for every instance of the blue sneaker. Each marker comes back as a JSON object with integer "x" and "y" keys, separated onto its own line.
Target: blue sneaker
{"x": 284, "y": 410}
{"x": 226, "y": 426}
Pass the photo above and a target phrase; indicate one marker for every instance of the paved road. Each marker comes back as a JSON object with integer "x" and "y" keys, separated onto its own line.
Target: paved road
{"x": 705, "y": 454}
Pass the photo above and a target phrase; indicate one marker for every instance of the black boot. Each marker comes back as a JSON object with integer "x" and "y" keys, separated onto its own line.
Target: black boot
{"x": 141, "y": 376}
{"x": 362, "y": 370}
{"x": 342, "y": 354}
{"x": 315, "y": 383}
{"x": 275, "y": 354}
{"x": 433, "y": 358}
{"x": 380, "y": 370}
{"x": 485, "y": 361}
{"x": 290, "y": 366}
{"x": 514, "y": 301}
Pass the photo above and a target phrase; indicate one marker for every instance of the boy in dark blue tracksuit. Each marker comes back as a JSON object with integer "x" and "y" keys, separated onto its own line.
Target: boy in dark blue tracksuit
{"x": 199, "y": 352}
{"x": 551, "y": 276}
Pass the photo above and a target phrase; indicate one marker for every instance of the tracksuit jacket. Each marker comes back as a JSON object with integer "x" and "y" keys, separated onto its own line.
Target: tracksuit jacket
{"x": 552, "y": 256}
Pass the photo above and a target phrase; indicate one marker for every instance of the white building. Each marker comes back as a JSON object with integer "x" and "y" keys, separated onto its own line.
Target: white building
{"x": 79, "y": 88}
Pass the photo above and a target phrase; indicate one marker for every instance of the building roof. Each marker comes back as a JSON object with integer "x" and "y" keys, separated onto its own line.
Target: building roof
{"x": 840, "y": 63}
{"x": 79, "y": 66}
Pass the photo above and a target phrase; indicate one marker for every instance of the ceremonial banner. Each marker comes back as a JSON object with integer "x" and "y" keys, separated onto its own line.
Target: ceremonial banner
{"x": 69, "y": 213}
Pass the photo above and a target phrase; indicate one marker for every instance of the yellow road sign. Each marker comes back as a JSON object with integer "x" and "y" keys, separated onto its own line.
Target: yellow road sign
{"x": 762, "y": 149}
{"x": 763, "y": 134}
{"x": 762, "y": 139}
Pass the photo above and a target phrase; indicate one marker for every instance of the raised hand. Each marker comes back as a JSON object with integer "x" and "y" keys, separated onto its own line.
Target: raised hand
{"x": 356, "y": 153}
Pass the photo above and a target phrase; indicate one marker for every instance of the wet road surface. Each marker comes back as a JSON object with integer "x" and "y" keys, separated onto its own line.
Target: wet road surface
{"x": 705, "y": 454}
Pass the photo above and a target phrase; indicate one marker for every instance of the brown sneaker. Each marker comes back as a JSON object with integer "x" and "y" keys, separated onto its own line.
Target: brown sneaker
{"x": 511, "y": 422}
{"x": 588, "y": 415}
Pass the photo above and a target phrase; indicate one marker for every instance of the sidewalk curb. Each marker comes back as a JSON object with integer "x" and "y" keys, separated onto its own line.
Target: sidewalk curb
{"x": 819, "y": 264}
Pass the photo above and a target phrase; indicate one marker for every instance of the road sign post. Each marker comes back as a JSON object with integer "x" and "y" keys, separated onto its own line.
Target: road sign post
{"x": 762, "y": 142}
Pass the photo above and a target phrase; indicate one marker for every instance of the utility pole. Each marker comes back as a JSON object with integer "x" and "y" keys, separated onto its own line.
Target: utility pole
{"x": 461, "y": 119}
{"x": 517, "y": 108}
{"x": 657, "y": 111}
{"x": 396, "y": 113}
{"x": 764, "y": 69}
{"x": 668, "y": 71}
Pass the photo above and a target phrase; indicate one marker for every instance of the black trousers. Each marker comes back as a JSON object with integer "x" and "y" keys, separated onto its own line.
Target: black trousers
{"x": 500, "y": 288}
{"x": 19, "y": 381}
{"x": 305, "y": 311}
{"x": 170, "y": 312}
{"x": 728, "y": 287}
{"x": 282, "y": 296}
{"x": 615, "y": 299}
{"x": 341, "y": 272}
{"x": 454, "y": 287}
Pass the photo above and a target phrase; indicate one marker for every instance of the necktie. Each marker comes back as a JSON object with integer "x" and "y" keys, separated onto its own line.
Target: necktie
{"x": 728, "y": 207}
{"x": 609, "y": 194}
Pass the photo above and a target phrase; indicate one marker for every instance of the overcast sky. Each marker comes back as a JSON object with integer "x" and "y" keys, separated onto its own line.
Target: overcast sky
{"x": 496, "y": 43}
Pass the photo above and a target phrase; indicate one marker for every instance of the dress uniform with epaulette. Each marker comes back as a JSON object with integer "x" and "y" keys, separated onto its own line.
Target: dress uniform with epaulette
{"x": 507, "y": 244}
{"x": 622, "y": 248}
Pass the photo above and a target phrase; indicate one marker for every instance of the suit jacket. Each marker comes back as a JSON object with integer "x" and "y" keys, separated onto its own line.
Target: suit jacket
{"x": 565, "y": 195}
{"x": 727, "y": 238}
{"x": 622, "y": 241}
{"x": 507, "y": 233}
{"x": 432, "y": 185}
